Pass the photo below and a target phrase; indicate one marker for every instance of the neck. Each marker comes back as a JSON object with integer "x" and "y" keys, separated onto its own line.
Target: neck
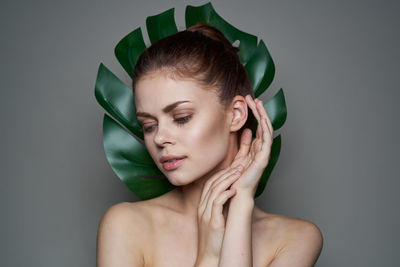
{"x": 189, "y": 195}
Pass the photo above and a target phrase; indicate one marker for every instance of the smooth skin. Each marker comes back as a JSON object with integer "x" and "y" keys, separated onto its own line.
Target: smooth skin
{"x": 210, "y": 219}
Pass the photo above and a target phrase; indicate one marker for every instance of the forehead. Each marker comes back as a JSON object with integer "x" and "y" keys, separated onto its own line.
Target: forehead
{"x": 158, "y": 90}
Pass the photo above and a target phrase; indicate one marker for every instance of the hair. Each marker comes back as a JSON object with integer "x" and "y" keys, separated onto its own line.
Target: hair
{"x": 202, "y": 53}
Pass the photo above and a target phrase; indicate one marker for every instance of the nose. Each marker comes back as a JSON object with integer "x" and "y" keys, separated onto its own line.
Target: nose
{"x": 162, "y": 136}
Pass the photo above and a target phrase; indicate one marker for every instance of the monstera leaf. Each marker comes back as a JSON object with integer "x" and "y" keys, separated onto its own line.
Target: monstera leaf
{"x": 122, "y": 134}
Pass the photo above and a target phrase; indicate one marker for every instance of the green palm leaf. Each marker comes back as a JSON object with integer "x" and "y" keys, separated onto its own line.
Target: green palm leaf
{"x": 129, "y": 49}
{"x": 125, "y": 151}
{"x": 276, "y": 109}
{"x": 161, "y": 25}
{"x": 260, "y": 69}
{"x": 117, "y": 98}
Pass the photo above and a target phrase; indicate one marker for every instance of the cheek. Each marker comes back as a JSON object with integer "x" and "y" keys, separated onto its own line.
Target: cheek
{"x": 205, "y": 142}
{"x": 208, "y": 143}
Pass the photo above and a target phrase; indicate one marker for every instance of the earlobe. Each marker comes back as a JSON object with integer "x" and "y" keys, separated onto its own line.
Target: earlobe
{"x": 239, "y": 113}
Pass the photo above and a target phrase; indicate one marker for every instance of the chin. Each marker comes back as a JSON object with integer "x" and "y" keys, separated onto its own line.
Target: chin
{"x": 178, "y": 181}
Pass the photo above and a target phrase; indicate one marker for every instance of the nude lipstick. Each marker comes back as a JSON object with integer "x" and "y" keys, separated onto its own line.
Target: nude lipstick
{"x": 171, "y": 162}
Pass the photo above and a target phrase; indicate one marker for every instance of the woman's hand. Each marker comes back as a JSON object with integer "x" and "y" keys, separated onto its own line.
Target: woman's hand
{"x": 210, "y": 217}
{"x": 254, "y": 156}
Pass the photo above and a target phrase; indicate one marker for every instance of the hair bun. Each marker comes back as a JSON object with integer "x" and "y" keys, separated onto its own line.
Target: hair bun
{"x": 213, "y": 33}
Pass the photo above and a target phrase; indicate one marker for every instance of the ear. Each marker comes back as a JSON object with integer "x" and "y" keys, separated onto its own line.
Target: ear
{"x": 238, "y": 110}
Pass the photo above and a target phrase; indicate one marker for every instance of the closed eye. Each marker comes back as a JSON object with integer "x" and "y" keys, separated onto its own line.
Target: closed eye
{"x": 179, "y": 121}
{"x": 183, "y": 120}
{"x": 148, "y": 129}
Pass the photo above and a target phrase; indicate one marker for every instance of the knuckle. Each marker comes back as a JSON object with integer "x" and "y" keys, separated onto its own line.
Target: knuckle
{"x": 217, "y": 202}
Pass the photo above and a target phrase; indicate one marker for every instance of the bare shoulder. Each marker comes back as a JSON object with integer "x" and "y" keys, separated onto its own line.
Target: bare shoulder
{"x": 124, "y": 216}
{"x": 297, "y": 242}
{"x": 122, "y": 233}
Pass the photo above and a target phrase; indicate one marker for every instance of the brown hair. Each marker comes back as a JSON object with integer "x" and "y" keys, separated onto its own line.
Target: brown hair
{"x": 202, "y": 53}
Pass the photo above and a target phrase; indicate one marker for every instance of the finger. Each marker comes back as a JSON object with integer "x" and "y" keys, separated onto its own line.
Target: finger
{"x": 210, "y": 183}
{"x": 206, "y": 186}
{"x": 219, "y": 202}
{"x": 223, "y": 184}
{"x": 264, "y": 116}
{"x": 215, "y": 192}
{"x": 267, "y": 132}
{"x": 215, "y": 176}
{"x": 263, "y": 113}
{"x": 253, "y": 108}
{"x": 210, "y": 202}
{"x": 223, "y": 177}
{"x": 245, "y": 142}
{"x": 267, "y": 138}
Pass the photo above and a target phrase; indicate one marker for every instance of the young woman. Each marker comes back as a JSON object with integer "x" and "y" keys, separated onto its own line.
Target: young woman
{"x": 195, "y": 102}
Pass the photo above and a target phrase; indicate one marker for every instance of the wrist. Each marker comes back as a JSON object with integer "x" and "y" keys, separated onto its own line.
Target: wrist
{"x": 243, "y": 198}
{"x": 244, "y": 195}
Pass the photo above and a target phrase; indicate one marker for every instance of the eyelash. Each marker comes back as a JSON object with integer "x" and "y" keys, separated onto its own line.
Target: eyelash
{"x": 183, "y": 120}
{"x": 179, "y": 121}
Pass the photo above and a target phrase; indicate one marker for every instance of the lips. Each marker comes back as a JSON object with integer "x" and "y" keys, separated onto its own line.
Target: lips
{"x": 171, "y": 162}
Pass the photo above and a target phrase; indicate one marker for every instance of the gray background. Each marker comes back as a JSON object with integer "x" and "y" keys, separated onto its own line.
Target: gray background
{"x": 337, "y": 62}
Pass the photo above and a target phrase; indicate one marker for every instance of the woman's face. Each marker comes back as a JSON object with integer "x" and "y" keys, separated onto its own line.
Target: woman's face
{"x": 185, "y": 121}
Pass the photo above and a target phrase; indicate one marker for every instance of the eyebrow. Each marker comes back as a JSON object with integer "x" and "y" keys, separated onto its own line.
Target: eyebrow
{"x": 166, "y": 109}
